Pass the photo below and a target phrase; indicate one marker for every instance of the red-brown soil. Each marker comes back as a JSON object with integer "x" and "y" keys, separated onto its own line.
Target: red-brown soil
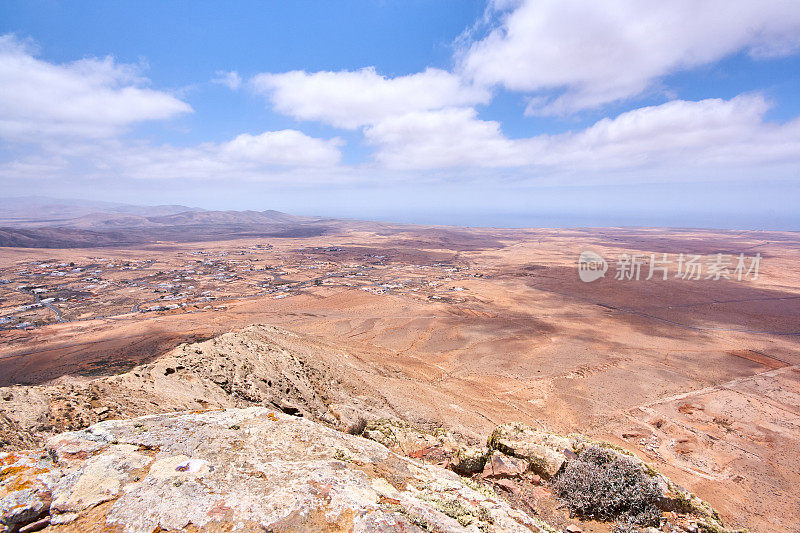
{"x": 470, "y": 328}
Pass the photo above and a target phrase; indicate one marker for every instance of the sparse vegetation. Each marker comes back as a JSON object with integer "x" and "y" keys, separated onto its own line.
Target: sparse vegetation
{"x": 358, "y": 427}
{"x": 341, "y": 455}
{"x": 625, "y": 526}
{"x": 602, "y": 485}
{"x": 465, "y": 515}
{"x": 486, "y": 490}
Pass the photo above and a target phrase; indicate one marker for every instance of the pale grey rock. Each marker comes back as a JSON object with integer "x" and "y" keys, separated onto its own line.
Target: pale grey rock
{"x": 22, "y": 507}
{"x": 502, "y": 465}
{"x": 26, "y": 481}
{"x": 99, "y": 479}
{"x": 253, "y": 469}
{"x": 399, "y": 436}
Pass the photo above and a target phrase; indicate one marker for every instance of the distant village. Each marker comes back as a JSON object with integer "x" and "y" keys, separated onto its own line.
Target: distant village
{"x": 41, "y": 292}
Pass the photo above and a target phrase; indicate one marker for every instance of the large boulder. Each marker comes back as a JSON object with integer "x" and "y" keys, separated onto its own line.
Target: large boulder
{"x": 238, "y": 470}
{"x": 469, "y": 460}
{"x": 545, "y": 452}
{"x": 500, "y": 465}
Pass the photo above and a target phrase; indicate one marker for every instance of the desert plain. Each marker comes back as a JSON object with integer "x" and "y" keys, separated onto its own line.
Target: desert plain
{"x": 468, "y": 328}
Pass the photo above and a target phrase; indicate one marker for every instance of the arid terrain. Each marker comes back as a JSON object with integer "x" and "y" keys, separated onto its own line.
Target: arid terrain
{"x": 448, "y": 327}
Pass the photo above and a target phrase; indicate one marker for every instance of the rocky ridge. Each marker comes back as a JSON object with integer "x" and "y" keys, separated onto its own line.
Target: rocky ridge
{"x": 256, "y": 366}
{"x": 260, "y": 430}
{"x": 525, "y": 465}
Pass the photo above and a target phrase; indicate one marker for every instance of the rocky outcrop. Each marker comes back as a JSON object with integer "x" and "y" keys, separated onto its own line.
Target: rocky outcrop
{"x": 439, "y": 447}
{"x": 500, "y": 465}
{"x": 400, "y": 437}
{"x": 238, "y": 470}
{"x": 527, "y": 466}
{"x": 302, "y": 460}
{"x": 469, "y": 460}
{"x": 545, "y": 452}
{"x": 517, "y": 450}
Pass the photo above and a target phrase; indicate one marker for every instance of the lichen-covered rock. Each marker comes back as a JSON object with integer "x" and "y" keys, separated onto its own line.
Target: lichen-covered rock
{"x": 249, "y": 469}
{"x": 399, "y": 436}
{"x": 23, "y": 507}
{"x": 98, "y": 479}
{"x": 545, "y": 452}
{"x": 677, "y": 498}
{"x": 469, "y": 460}
{"x": 26, "y": 481}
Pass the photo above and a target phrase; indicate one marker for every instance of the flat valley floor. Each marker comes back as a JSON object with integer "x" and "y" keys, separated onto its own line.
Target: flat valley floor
{"x": 470, "y": 328}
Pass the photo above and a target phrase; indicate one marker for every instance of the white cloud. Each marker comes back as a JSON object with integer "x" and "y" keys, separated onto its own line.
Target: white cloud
{"x": 232, "y": 80}
{"x": 350, "y": 99}
{"x": 74, "y": 111}
{"x": 600, "y": 52}
{"x": 445, "y": 138}
{"x": 246, "y": 157}
{"x": 679, "y": 141}
{"x": 86, "y": 98}
{"x": 285, "y": 147}
{"x": 676, "y": 139}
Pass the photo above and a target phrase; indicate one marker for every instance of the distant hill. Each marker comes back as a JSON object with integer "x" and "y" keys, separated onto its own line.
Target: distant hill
{"x": 41, "y": 210}
{"x": 58, "y": 238}
{"x": 39, "y": 222}
{"x": 227, "y": 217}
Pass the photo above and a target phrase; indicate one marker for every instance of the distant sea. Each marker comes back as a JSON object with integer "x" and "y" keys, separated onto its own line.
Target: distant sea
{"x": 732, "y": 221}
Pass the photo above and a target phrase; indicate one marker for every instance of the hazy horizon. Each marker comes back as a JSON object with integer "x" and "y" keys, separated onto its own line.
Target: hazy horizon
{"x": 503, "y": 219}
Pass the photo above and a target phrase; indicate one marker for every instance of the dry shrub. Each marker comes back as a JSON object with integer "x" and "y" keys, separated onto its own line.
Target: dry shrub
{"x": 603, "y": 485}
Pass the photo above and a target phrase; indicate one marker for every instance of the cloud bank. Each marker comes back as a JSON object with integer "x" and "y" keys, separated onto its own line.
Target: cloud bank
{"x": 594, "y": 53}
{"x": 89, "y": 98}
{"x": 350, "y": 99}
{"x": 674, "y": 137}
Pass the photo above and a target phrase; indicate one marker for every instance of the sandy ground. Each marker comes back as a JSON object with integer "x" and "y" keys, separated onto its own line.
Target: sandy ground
{"x": 699, "y": 377}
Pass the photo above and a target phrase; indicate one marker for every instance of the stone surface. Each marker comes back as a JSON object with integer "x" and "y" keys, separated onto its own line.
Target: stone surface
{"x": 502, "y": 465}
{"x": 260, "y": 469}
{"x": 25, "y": 488}
{"x": 545, "y": 452}
{"x": 243, "y": 470}
{"x": 402, "y": 438}
{"x": 99, "y": 479}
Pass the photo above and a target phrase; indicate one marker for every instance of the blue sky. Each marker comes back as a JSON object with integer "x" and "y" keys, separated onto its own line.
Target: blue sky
{"x": 512, "y": 112}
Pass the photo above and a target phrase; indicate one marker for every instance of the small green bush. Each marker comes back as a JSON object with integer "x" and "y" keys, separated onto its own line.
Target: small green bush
{"x": 603, "y": 485}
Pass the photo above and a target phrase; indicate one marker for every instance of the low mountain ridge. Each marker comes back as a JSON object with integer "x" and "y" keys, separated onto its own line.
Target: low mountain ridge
{"x": 39, "y": 210}
{"x": 37, "y": 222}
